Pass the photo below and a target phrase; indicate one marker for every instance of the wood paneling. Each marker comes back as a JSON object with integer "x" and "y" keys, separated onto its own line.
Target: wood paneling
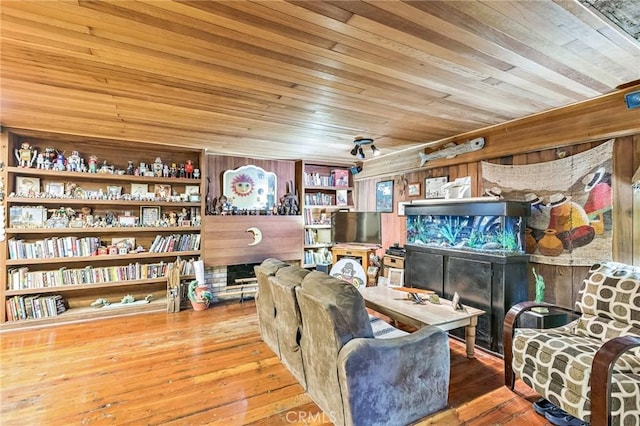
{"x": 563, "y": 281}
{"x": 227, "y": 239}
{"x": 597, "y": 119}
{"x": 218, "y": 164}
{"x": 299, "y": 79}
{"x": 196, "y": 368}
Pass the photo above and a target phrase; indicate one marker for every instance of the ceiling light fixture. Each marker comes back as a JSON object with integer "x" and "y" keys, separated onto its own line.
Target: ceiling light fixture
{"x": 357, "y": 150}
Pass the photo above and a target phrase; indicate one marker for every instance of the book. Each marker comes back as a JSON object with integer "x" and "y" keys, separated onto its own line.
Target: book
{"x": 341, "y": 197}
{"x": 340, "y": 177}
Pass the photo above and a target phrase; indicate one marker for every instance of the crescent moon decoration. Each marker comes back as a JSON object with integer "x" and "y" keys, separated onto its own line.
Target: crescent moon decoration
{"x": 257, "y": 236}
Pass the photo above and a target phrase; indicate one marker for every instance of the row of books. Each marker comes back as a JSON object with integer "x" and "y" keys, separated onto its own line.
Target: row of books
{"x": 338, "y": 177}
{"x": 317, "y": 219}
{"x": 321, "y": 256}
{"x": 317, "y": 236}
{"x": 319, "y": 199}
{"x": 175, "y": 242}
{"x": 30, "y": 307}
{"x": 53, "y": 247}
{"x": 22, "y": 278}
{"x": 316, "y": 179}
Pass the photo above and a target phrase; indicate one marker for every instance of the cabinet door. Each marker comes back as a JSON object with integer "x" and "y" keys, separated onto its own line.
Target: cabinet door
{"x": 424, "y": 270}
{"x": 472, "y": 279}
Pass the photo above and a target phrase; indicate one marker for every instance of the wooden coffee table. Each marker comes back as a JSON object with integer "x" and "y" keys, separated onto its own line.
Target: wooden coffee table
{"x": 396, "y": 305}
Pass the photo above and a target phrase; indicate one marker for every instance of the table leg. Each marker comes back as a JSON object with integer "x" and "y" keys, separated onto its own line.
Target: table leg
{"x": 470, "y": 336}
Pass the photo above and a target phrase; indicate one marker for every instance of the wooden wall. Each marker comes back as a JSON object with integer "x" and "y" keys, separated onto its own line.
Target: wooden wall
{"x": 218, "y": 164}
{"x": 562, "y": 281}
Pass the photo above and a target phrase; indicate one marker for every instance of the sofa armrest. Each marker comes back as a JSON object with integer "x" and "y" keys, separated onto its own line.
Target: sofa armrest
{"x": 396, "y": 380}
{"x": 510, "y": 320}
{"x": 601, "y": 370}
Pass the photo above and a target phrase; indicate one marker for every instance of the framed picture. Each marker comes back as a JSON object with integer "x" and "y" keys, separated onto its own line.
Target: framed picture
{"x": 149, "y": 215}
{"x": 27, "y": 216}
{"x": 55, "y": 189}
{"x": 341, "y": 197}
{"x": 396, "y": 277}
{"x": 127, "y": 220}
{"x": 127, "y": 242}
{"x": 114, "y": 192}
{"x": 434, "y": 187}
{"x": 139, "y": 189}
{"x": 162, "y": 190}
{"x": 414, "y": 189}
{"x": 384, "y": 196}
{"x": 27, "y": 186}
{"x": 192, "y": 189}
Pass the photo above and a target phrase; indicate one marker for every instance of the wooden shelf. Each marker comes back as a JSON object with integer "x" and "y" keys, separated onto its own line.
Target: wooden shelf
{"x": 90, "y": 202}
{"x": 73, "y": 176}
{"x": 328, "y": 206}
{"x": 103, "y": 258}
{"x": 319, "y": 245}
{"x": 119, "y": 155}
{"x": 88, "y": 313}
{"x": 76, "y": 287}
{"x": 327, "y": 188}
{"x": 104, "y": 230}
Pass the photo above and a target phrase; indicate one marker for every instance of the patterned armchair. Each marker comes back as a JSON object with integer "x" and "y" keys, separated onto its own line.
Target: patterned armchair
{"x": 590, "y": 368}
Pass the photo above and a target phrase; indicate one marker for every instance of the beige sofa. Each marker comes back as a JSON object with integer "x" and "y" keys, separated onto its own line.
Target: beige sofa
{"x": 357, "y": 368}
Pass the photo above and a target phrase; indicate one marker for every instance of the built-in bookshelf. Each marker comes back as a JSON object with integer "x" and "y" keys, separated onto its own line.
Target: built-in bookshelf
{"x": 87, "y": 219}
{"x": 323, "y": 188}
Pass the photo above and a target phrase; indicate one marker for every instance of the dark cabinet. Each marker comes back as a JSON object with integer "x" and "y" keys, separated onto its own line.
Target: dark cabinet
{"x": 488, "y": 282}
{"x": 474, "y": 247}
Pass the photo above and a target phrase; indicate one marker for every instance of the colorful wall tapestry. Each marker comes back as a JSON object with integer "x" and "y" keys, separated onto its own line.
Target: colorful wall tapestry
{"x": 571, "y": 204}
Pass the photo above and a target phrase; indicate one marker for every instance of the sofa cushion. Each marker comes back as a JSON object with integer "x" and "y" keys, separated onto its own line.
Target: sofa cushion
{"x": 291, "y": 275}
{"x": 264, "y": 302}
{"x": 350, "y": 316}
{"x": 610, "y": 299}
{"x": 557, "y": 364}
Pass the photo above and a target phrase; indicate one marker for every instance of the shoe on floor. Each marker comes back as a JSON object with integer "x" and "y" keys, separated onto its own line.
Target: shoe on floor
{"x": 542, "y": 405}
{"x": 559, "y": 417}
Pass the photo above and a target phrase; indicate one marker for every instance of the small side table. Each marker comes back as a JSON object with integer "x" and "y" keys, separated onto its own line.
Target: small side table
{"x": 551, "y": 319}
{"x": 356, "y": 252}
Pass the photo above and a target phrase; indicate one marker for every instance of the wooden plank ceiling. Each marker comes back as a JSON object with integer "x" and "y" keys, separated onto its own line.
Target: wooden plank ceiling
{"x": 300, "y": 79}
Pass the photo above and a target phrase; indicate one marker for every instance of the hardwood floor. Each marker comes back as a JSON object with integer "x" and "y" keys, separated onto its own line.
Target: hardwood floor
{"x": 196, "y": 368}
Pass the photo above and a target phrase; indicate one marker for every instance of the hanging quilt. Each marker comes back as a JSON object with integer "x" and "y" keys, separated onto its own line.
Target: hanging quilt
{"x": 571, "y": 204}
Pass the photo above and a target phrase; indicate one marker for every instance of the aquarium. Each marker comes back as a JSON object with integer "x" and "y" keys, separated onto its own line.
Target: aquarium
{"x": 484, "y": 225}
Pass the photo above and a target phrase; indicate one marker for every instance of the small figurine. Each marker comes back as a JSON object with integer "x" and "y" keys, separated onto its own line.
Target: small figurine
{"x": 165, "y": 170}
{"x": 188, "y": 169}
{"x": 73, "y": 161}
{"x": 181, "y": 172}
{"x": 93, "y": 164}
{"x": 196, "y": 173}
{"x": 157, "y": 167}
{"x": 60, "y": 163}
{"x": 51, "y": 154}
{"x": 106, "y": 168}
{"x": 47, "y": 163}
{"x": 130, "y": 168}
{"x": 26, "y": 155}
{"x": 40, "y": 161}
{"x": 174, "y": 170}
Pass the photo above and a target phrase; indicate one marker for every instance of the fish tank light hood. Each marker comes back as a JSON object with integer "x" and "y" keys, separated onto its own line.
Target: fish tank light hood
{"x": 485, "y": 224}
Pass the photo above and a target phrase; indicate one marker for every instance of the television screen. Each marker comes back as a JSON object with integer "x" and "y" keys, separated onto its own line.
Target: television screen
{"x": 356, "y": 227}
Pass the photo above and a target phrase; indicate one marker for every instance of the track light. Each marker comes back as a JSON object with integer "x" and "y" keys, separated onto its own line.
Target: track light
{"x": 357, "y": 150}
